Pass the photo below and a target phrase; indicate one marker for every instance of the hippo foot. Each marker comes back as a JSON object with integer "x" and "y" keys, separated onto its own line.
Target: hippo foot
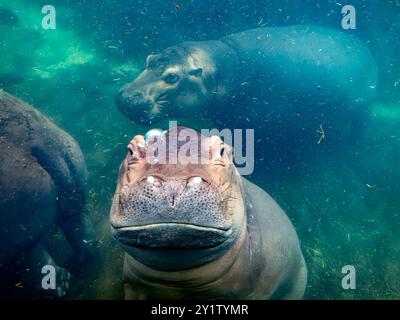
{"x": 82, "y": 239}
{"x": 63, "y": 277}
{"x": 62, "y": 283}
{"x": 82, "y": 257}
{"x": 38, "y": 272}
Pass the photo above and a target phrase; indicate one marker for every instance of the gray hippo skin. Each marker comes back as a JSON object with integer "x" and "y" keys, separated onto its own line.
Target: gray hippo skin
{"x": 42, "y": 177}
{"x": 201, "y": 230}
{"x": 294, "y": 77}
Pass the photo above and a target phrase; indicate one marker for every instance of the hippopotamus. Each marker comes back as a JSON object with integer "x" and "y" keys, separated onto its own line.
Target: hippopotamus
{"x": 42, "y": 184}
{"x": 197, "y": 229}
{"x": 285, "y": 82}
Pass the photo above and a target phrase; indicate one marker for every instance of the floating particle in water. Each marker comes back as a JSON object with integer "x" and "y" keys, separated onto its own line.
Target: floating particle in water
{"x": 321, "y": 131}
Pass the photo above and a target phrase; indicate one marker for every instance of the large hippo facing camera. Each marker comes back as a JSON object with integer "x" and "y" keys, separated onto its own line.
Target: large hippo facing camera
{"x": 296, "y": 77}
{"x": 199, "y": 230}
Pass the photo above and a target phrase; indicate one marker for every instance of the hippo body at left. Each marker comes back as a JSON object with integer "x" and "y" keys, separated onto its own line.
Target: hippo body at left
{"x": 42, "y": 178}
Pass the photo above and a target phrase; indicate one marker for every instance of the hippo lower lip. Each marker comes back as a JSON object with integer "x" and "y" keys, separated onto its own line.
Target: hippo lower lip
{"x": 171, "y": 236}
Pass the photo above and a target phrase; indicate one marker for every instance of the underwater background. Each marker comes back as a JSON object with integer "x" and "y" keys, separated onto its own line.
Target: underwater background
{"x": 345, "y": 207}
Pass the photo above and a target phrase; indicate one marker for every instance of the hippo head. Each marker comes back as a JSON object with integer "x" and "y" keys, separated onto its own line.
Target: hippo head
{"x": 178, "y": 214}
{"x": 176, "y": 82}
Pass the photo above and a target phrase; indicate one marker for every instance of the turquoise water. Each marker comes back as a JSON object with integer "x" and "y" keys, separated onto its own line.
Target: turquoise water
{"x": 345, "y": 206}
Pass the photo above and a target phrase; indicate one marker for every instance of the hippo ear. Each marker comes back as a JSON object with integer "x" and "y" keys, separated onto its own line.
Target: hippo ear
{"x": 196, "y": 72}
{"x": 150, "y": 59}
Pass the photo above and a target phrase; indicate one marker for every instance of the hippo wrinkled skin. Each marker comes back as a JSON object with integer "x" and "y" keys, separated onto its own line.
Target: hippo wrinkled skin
{"x": 198, "y": 229}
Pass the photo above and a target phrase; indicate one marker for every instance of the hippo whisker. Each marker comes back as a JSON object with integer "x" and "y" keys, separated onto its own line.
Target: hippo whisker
{"x": 161, "y": 96}
{"x": 231, "y": 198}
{"x": 225, "y": 190}
{"x": 163, "y": 102}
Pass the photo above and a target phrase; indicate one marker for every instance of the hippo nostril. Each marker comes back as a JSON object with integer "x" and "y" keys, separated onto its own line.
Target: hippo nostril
{"x": 125, "y": 95}
{"x": 136, "y": 95}
{"x": 195, "y": 181}
{"x": 151, "y": 179}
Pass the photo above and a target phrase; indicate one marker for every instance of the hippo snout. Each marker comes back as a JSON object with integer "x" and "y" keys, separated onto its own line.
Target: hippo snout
{"x": 133, "y": 104}
{"x": 127, "y": 97}
{"x": 153, "y": 201}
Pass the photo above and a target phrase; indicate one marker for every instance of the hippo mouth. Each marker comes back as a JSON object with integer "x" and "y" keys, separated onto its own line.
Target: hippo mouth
{"x": 171, "y": 236}
{"x": 139, "y": 109}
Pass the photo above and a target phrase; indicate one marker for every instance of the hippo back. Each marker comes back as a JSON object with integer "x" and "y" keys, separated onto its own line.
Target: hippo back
{"x": 320, "y": 61}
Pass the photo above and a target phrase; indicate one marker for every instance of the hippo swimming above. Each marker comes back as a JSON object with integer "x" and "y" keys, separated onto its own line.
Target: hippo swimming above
{"x": 278, "y": 79}
{"x": 42, "y": 178}
{"x": 197, "y": 229}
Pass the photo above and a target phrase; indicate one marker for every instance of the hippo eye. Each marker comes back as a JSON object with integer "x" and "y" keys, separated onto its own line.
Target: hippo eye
{"x": 171, "y": 78}
{"x": 195, "y": 181}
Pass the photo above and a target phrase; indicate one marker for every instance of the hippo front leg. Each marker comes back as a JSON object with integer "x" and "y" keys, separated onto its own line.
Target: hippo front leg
{"x": 35, "y": 270}
{"x": 66, "y": 166}
{"x": 298, "y": 283}
{"x": 81, "y": 236}
{"x": 132, "y": 288}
